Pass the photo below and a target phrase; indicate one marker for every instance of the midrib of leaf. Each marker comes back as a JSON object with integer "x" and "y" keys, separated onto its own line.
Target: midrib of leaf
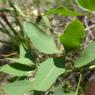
{"x": 47, "y": 76}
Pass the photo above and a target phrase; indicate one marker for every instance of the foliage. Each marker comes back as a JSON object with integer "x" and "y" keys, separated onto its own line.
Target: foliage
{"x": 63, "y": 11}
{"x": 87, "y": 56}
{"x": 87, "y": 5}
{"x": 32, "y": 73}
{"x": 42, "y": 41}
{"x": 20, "y": 87}
{"x": 73, "y": 35}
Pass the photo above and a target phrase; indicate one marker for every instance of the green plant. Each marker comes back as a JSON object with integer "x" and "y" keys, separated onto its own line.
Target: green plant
{"x": 33, "y": 75}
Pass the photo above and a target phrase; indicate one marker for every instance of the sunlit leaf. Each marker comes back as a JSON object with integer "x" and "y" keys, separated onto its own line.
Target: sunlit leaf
{"x": 1, "y": 1}
{"x": 72, "y": 36}
{"x": 88, "y": 5}
{"x": 62, "y": 11}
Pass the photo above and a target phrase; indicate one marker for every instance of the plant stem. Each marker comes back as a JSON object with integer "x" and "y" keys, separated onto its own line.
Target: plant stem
{"x": 77, "y": 90}
{"x": 92, "y": 67}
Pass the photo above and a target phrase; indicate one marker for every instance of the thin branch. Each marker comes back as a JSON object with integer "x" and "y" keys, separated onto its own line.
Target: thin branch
{"x": 90, "y": 27}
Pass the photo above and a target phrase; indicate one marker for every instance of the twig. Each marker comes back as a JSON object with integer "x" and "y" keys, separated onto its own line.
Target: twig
{"x": 90, "y": 27}
{"x": 78, "y": 84}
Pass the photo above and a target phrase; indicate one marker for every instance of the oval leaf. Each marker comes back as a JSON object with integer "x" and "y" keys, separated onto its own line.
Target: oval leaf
{"x": 88, "y": 5}
{"x": 43, "y": 42}
{"x": 87, "y": 56}
{"x": 73, "y": 35}
{"x": 62, "y": 11}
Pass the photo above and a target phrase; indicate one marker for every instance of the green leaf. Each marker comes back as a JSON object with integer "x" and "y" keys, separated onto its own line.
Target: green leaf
{"x": 72, "y": 36}
{"x": 18, "y": 87}
{"x": 62, "y": 11}
{"x": 22, "y": 58}
{"x": 60, "y": 91}
{"x": 27, "y": 55}
{"x": 22, "y": 51}
{"x": 24, "y": 61}
{"x": 88, "y": 5}
{"x": 87, "y": 56}
{"x": 15, "y": 69}
{"x": 1, "y": 1}
{"x": 47, "y": 74}
{"x": 43, "y": 42}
